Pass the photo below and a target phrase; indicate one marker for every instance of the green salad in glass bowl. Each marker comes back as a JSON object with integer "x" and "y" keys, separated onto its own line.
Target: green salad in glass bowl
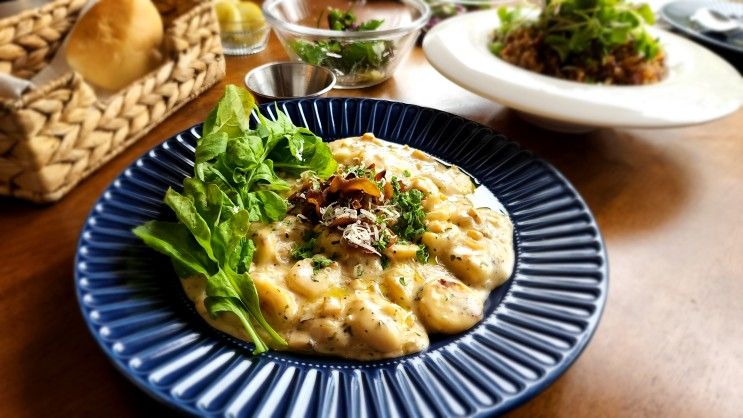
{"x": 362, "y": 43}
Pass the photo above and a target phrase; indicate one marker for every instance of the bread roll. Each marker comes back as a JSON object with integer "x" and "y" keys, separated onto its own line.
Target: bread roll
{"x": 116, "y": 42}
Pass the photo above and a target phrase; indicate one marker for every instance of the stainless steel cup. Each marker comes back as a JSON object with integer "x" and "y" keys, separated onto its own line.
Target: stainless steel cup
{"x": 283, "y": 80}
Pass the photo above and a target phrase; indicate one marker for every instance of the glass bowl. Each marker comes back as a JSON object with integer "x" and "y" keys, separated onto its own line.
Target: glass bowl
{"x": 358, "y": 58}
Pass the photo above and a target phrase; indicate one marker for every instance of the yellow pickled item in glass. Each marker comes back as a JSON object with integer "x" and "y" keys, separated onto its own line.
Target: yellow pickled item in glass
{"x": 228, "y": 15}
{"x": 239, "y": 16}
{"x": 251, "y": 14}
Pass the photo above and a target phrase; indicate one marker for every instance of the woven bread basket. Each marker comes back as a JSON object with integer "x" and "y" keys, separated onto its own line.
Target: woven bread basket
{"x": 57, "y": 134}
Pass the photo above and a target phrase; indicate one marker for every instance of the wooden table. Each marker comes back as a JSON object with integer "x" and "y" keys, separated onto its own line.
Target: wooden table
{"x": 669, "y": 203}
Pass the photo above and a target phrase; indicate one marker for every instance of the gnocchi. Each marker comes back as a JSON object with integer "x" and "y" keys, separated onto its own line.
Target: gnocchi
{"x": 447, "y": 305}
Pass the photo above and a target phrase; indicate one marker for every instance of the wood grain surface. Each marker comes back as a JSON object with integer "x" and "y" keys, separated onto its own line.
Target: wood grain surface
{"x": 669, "y": 203}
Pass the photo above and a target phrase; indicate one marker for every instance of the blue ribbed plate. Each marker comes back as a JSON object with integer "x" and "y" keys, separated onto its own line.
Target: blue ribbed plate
{"x": 535, "y": 325}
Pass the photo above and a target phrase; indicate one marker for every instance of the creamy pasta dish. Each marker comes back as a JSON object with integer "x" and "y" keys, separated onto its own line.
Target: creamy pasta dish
{"x": 368, "y": 262}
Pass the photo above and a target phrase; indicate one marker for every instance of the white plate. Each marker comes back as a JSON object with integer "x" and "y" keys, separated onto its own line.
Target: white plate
{"x": 699, "y": 87}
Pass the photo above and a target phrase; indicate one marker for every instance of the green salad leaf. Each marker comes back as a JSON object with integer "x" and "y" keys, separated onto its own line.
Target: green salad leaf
{"x": 575, "y": 27}
{"x": 175, "y": 240}
{"x": 235, "y": 185}
{"x": 340, "y": 20}
{"x": 242, "y": 162}
{"x": 347, "y": 57}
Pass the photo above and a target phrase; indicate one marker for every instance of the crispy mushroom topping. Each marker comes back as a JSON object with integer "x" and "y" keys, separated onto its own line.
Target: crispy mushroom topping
{"x": 354, "y": 202}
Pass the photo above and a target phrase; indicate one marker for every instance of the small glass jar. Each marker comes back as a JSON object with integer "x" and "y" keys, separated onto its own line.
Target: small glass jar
{"x": 243, "y": 29}
{"x": 236, "y": 41}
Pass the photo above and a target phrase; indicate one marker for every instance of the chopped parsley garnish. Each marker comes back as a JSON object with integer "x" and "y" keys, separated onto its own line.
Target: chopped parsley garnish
{"x": 402, "y": 281}
{"x": 361, "y": 171}
{"x": 358, "y": 271}
{"x": 320, "y": 262}
{"x": 383, "y": 242}
{"x": 305, "y": 249}
{"x": 422, "y": 254}
{"x": 385, "y": 261}
{"x": 412, "y": 222}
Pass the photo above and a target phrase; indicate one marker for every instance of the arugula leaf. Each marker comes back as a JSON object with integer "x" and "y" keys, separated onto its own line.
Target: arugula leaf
{"x": 245, "y": 169}
{"x": 211, "y": 146}
{"x": 223, "y": 295}
{"x": 229, "y": 240}
{"x": 296, "y": 145}
{"x": 209, "y": 200}
{"x": 244, "y": 152}
{"x": 225, "y": 249}
{"x": 346, "y": 21}
{"x": 252, "y": 302}
{"x": 315, "y": 155}
{"x": 216, "y": 305}
{"x": 231, "y": 115}
{"x": 313, "y": 53}
{"x": 273, "y": 207}
{"x": 188, "y": 216}
{"x": 175, "y": 240}
{"x": 265, "y": 178}
{"x": 234, "y": 185}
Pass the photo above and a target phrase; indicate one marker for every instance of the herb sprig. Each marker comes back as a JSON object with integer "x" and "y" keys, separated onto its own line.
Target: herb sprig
{"x": 234, "y": 185}
{"x": 412, "y": 222}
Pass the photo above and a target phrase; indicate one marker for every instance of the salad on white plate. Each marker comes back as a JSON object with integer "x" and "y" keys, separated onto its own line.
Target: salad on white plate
{"x": 693, "y": 85}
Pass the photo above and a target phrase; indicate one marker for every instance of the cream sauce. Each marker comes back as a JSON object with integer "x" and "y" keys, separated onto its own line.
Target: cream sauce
{"x": 354, "y": 307}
